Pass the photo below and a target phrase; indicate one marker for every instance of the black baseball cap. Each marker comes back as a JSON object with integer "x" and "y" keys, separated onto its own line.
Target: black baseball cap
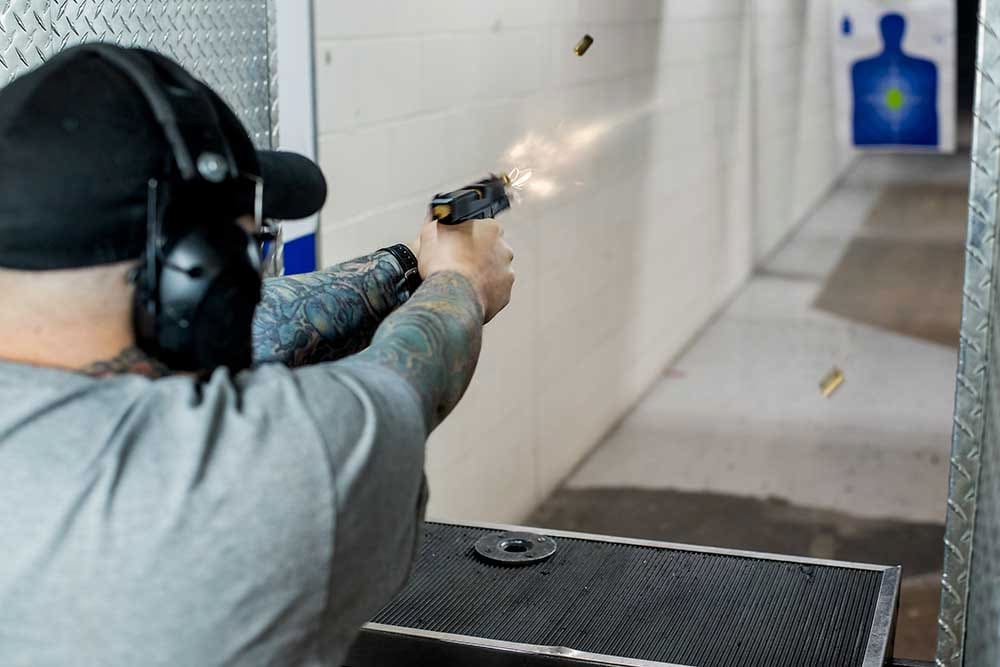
{"x": 79, "y": 144}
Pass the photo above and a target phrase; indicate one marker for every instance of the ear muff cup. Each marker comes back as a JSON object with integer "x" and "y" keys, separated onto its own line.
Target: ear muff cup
{"x": 196, "y": 295}
{"x": 208, "y": 290}
{"x": 229, "y": 307}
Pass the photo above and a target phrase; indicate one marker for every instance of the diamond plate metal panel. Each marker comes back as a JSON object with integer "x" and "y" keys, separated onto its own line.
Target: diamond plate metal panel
{"x": 272, "y": 40}
{"x": 25, "y": 39}
{"x": 967, "y": 626}
{"x": 225, "y": 42}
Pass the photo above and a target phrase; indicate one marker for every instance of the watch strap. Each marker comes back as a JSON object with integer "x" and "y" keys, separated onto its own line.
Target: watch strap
{"x": 411, "y": 279}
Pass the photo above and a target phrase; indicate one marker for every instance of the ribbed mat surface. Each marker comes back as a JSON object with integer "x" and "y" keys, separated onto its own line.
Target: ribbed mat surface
{"x": 680, "y": 607}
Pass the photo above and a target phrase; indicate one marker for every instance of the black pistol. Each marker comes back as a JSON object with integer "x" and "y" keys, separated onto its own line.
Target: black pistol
{"x": 482, "y": 199}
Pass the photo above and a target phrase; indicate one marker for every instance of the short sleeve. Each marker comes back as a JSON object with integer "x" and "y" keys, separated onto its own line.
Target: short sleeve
{"x": 375, "y": 443}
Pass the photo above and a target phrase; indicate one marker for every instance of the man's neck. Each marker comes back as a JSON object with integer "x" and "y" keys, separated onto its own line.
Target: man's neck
{"x": 75, "y": 319}
{"x": 131, "y": 360}
{"x": 99, "y": 353}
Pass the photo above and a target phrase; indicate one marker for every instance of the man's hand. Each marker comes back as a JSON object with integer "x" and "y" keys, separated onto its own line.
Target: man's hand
{"x": 475, "y": 250}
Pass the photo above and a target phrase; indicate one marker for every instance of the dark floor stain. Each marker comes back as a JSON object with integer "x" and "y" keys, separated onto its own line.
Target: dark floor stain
{"x": 904, "y": 270}
{"x": 744, "y": 523}
{"x": 874, "y": 284}
{"x": 769, "y": 525}
{"x": 916, "y": 626}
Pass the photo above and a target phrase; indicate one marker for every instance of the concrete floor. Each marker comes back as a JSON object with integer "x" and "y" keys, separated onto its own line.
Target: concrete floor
{"x": 736, "y": 447}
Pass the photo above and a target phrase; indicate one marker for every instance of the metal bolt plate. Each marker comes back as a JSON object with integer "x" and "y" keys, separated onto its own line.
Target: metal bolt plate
{"x": 511, "y": 548}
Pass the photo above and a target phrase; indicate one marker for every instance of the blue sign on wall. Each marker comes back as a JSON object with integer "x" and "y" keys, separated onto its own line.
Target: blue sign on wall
{"x": 895, "y": 73}
{"x": 895, "y": 94}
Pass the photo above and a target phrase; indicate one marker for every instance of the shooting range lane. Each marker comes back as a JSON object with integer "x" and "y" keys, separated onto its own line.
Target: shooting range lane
{"x": 737, "y": 431}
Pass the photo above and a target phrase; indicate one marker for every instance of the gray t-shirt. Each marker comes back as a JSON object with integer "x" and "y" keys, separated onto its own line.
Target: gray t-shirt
{"x": 255, "y": 520}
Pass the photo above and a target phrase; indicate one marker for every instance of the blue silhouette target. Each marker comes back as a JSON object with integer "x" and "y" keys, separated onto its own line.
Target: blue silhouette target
{"x": 895, "y": 94}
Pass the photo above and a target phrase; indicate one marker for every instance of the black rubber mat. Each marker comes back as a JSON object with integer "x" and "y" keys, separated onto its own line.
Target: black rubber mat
{"x": 665, "y": 605}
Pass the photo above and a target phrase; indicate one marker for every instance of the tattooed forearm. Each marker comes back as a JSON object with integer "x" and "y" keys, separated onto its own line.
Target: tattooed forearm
{"x": 325, "y": 315}
{"x": 433, "y": 342}
{"x": 130, "y": 360}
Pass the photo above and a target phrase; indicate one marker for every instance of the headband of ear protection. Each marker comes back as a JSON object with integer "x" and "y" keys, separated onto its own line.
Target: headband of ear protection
{"x": 199, "y": 280}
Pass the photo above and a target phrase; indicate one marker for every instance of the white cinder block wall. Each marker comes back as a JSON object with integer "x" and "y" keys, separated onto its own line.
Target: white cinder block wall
{"x": 646, "y": 153}
{"x": 797, "y": 154}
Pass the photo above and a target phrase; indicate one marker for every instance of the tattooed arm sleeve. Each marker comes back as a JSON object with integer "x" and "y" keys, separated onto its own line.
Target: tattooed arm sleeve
{"x": 433, "y": 342}
{"x": 326, "y": 315}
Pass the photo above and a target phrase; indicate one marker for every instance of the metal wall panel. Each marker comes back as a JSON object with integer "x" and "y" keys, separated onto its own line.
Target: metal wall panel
{"x": 969, "y": 622}
{"x": 272, "y": 74}
{"x": 228, "y": 43}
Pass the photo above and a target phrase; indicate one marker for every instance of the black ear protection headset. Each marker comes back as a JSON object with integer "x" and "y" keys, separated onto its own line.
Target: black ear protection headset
{"x": 199, "y": 279}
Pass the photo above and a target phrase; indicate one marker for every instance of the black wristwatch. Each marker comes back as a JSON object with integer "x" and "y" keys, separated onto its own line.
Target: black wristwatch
{"x": 408, "y": 262}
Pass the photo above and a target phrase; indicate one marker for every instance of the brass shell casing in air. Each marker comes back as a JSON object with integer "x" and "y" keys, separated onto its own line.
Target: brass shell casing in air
{"x": 831, "y": 382}
{"x": 583, "y": 45}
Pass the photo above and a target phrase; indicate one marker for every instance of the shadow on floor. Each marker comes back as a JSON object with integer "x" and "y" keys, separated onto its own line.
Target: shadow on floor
{"x": 767, "y": 525}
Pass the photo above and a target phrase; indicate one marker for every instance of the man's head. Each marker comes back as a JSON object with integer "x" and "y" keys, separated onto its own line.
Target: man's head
{"x": 110, "y": 155}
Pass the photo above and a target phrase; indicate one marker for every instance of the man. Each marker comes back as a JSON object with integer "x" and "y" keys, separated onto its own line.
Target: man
{"x": 221, "y": 515}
